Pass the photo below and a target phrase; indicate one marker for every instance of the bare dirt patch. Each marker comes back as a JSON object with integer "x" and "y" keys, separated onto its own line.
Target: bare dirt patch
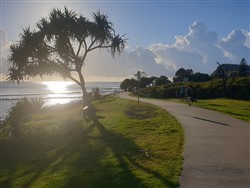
{"x": 137, "y": 112}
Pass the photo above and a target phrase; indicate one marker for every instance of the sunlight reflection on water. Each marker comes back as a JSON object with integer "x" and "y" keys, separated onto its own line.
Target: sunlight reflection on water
{"x": 58, "y": 86}
{"x": 53, "y": 92}
{"x": 59, "y": 92}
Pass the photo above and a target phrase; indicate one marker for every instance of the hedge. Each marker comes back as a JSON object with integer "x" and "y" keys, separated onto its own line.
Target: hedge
{"x": 236, "y": 89}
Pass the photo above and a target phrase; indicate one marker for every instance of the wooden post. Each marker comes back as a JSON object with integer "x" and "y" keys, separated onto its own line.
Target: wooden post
{"x": 138, "y": 78}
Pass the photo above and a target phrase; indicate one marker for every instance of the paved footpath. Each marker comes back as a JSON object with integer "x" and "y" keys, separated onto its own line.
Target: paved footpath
{"x": 217, "y": 147}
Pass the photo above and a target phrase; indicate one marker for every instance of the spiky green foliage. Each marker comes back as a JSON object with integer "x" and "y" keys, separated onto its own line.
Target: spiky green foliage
{"x": 243, "y": 69}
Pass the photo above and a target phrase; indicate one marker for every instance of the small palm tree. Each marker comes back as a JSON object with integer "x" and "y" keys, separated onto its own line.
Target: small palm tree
{"x": 60, "y": 45}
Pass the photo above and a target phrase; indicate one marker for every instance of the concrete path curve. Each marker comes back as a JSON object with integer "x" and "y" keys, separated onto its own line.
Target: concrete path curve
{"x": 217, "y": 147}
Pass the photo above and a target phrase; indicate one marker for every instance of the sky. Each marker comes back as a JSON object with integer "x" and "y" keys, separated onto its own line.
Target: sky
{"x": 163, "y": 36}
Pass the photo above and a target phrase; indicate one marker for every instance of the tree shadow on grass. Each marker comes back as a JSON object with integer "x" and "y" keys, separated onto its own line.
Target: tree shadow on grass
{"x": 79, "y": 156}
{"x": 30, "y": 157}
{"x": 127, "y": 152}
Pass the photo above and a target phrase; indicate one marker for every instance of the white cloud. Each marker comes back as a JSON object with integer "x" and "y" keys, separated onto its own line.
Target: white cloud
{"x": 5, "y": 43}
{"x": 124, "y": 65}
{"x": 144, "y": 59}
{"x": 174, "y": 58}
{"x": 4, "y": 39}
{"x": 200, "y": 49}
{"x": 236, "y": 45}
{"x": 247, "y": 43}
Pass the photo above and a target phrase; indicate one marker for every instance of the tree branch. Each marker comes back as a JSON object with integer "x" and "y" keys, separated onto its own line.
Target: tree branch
{"x": 79, "y": 48}
{"x": 85, "y": 53}
{"x": 72, "y": 49}
{"x": 99, "y": 46}
{"x": 75, "y": 80}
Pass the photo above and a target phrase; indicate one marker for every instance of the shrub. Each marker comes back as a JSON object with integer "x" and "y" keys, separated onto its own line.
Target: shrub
{"x": 19, "y": 111}
{"x": 96, "y": 93}
{"x": 236, "y": 89}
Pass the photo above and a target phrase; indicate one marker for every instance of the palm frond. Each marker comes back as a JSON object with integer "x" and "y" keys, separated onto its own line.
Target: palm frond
{"x": 118, "y": 44}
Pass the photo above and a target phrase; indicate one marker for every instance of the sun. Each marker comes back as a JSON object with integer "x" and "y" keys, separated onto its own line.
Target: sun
{"x": 57, "y": 86}
{"x": 57, "y": 92}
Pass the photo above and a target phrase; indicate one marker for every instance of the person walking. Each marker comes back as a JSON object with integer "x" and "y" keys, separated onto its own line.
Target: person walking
{"x": 182, "y": 93}
{"x": 188, "y": 94}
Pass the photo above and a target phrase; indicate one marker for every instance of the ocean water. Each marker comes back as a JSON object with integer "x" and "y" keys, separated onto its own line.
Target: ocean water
{"x": 53, "y": 92}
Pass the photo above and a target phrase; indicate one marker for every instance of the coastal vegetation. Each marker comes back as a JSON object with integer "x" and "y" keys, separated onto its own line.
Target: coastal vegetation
{"x": 19, "y": 113}
{"x": 239, "y": 89}
{"x": 130, "y": 144}
{"x": 226, "y": 90}
{"x": 227, "y": 81}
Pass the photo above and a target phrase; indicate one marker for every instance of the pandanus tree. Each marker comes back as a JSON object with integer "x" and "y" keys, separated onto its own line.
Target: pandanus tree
{"x": 60, "y": 44}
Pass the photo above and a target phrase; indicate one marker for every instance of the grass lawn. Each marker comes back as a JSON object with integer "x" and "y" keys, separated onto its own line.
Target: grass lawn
{"x": 237, "y": 108}
{"x": 131, "y": 146}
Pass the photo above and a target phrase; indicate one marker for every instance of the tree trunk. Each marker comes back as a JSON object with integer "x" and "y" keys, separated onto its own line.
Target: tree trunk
{"x": 89, "y": 111}
{"x": 223, "y": 88}
{"x": 85, "y": 99}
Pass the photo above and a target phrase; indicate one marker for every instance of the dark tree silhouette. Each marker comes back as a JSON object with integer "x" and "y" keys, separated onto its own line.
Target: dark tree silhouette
{"x": 180, "y": 71}
{"x": 129, "y": 84}
{"x": 181, "y": 74}
{"x": 60, "y": 45}
{"x": 225, "y": 75}
{"x": 200, "y": 77}
{"x": 243, "y": 69}
{"x": 147, "y": 81}
{"x": 162, "y": 80}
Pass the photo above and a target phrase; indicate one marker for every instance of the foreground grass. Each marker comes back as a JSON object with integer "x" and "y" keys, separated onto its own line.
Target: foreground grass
{"x": 131, "y": 146}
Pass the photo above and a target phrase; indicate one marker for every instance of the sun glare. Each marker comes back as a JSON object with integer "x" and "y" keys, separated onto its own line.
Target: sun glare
{"x": 57, "y": 92}
{"x": 57, "y": 86}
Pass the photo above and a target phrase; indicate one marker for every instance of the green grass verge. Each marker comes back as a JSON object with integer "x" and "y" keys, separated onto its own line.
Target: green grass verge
{"x": 131, "y": 146}
{"x": 236, "y": 108}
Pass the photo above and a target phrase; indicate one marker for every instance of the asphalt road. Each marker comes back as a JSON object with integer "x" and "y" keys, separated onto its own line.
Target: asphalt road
{"x": 217, "y": 146}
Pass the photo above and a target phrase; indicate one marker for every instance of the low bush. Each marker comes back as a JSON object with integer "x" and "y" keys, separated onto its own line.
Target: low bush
{"x": 96, "y": 93}
{"x": 19, "y": 112}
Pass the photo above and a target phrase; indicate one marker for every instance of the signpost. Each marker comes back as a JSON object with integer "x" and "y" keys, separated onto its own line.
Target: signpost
{"x": 138, "y": 75}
